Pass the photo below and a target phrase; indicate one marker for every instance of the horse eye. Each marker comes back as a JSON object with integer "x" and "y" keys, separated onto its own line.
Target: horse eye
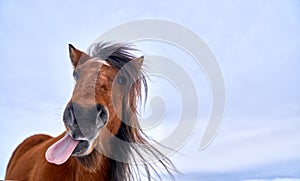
{"x": 122, "y": 80}
{"x": 76, "y": 74}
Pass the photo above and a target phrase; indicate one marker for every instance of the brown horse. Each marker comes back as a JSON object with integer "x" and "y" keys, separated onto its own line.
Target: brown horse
{"x": 103, "y": 140}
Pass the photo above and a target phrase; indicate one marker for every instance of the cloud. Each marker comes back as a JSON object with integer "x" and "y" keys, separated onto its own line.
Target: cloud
{"x": 245, "y": 144}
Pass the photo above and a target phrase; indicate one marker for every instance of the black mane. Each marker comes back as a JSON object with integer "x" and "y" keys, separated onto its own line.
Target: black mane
{"x": 119, "y": 55}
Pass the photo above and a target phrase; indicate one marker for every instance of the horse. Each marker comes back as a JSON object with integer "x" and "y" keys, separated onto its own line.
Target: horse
{"x": 102, "y": 139}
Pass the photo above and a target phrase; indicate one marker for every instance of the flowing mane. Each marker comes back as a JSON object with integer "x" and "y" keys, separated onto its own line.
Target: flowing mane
{"x": 119, "y": 55}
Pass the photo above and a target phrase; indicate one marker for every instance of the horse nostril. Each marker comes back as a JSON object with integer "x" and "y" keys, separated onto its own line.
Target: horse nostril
{"x": 68, "y": 115}
{"x": 99, "y": 107}
{"x": 102, "y": 116}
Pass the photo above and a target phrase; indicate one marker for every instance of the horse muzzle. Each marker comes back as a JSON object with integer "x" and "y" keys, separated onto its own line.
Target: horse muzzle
{"x": 84, "y": 123}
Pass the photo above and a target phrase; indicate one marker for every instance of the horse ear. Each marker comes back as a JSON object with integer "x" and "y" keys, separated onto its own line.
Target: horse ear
{"x": 77, "y": 57}
{"x": 138, "y": 62}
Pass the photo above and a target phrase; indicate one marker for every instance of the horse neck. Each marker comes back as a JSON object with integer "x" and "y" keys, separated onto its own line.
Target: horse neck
{"x": 101, "y": 171}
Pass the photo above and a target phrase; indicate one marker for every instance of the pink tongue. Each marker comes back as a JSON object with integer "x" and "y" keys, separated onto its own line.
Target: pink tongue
{"x": 60, "y": 151}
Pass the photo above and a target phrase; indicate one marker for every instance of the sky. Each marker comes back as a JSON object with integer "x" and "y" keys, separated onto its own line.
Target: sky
{"x": 255, "y": 42}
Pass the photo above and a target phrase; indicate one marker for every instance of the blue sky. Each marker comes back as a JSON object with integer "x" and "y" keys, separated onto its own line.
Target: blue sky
{"x": 257, "y": 46}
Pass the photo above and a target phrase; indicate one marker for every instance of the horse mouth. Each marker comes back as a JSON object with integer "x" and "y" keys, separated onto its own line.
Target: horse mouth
{"x": 84, "y": 146}
{"x": 81, "y": 148}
